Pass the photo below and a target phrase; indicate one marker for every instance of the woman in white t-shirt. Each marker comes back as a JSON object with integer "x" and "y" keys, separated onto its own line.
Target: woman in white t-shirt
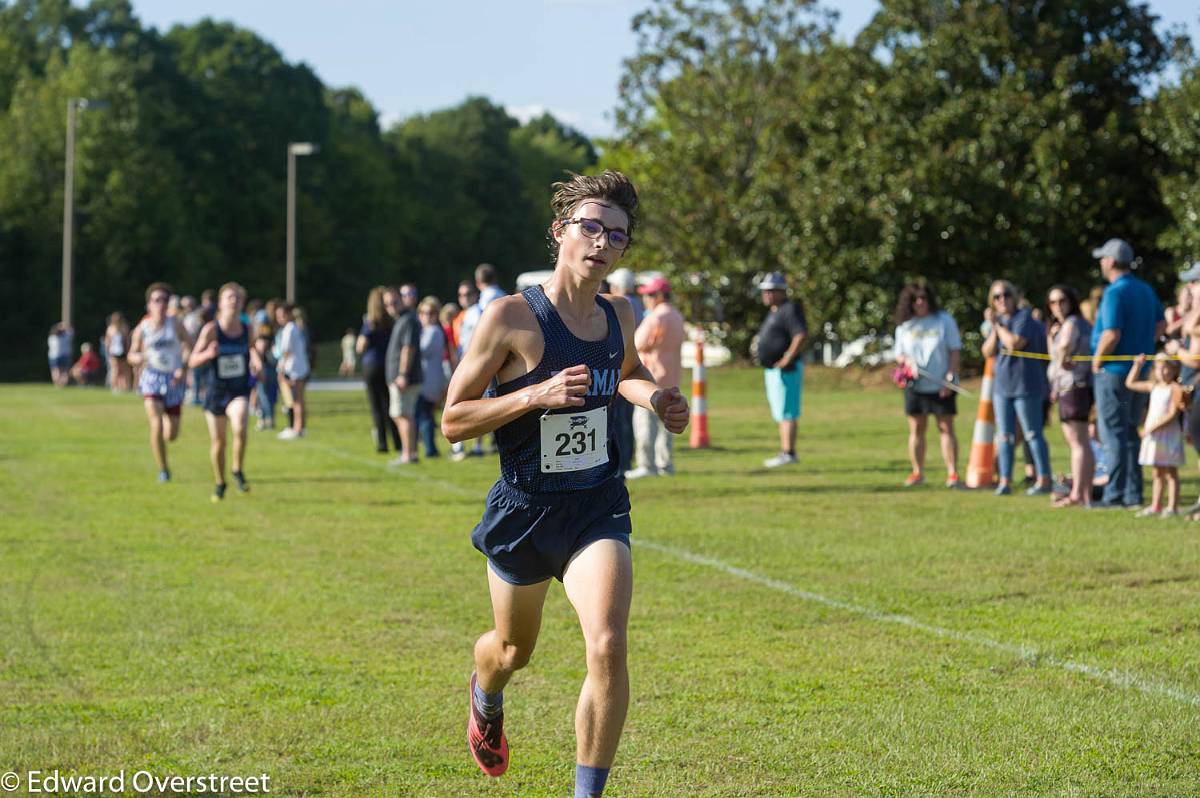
{"x": 293, "y": 366}
{"x": 928, "y": 347}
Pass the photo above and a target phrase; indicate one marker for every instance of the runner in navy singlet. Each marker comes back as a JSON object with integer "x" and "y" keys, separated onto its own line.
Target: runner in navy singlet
{"x": 559, "y": 353}
{"x": 225, "y": 342}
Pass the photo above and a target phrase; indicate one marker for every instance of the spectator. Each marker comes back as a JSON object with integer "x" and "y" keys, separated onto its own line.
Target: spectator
{"x": 408, "y": 297}
{"x": 622, "y": 283}
{"x": 1162, "y": 443}
{"x": 116, "y": 344}
{"x": 266, "y": 387}
{"x": 59, "y": 345}
{"x": 929, "y": 347}
{"x": 1070, "y": 379}
{"x": 1188, "y": 350}
{"x": 464, "y": 327}
{"x": 349, "y": 362}
{"x": 372, "y": 344}
{"x": 403, "y": 364}
{"x": 1020, "y": 388}
{"x": 86, "y": 370}
{"x": 434, "y": 347}
{"x": 487, "y": 281}
{"x": 446, "y": 316}
{"x": 1176, "y": 314}
{"x": 1129, "y": 321}
{"x": 780, "y": 343}
{"x": 659, "y": 342}
{"x": 293, "y": 368}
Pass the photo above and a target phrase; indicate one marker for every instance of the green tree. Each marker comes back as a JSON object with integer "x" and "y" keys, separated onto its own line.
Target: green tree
{"x": 957, "y": 140}
{"x": 1173, "y": 123}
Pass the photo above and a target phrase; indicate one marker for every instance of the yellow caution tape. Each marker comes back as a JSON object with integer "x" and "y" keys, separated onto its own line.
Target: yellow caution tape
{"x": 1102, "y": 358}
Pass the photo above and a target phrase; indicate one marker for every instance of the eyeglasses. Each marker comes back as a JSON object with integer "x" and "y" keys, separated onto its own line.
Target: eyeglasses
{"x": 1002, "y": 295}
{"x": 617, "y": 238}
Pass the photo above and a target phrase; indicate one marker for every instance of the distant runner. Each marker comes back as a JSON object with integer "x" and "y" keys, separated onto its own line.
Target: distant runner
{"x": 225, "y": 344}
{"x": 161, "y": 346}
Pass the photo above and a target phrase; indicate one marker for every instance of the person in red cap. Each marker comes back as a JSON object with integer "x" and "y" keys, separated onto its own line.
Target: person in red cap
{"x": 659, "y": 343}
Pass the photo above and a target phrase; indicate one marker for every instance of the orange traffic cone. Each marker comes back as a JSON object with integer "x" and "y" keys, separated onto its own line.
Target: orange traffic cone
{"x": 699, "y": 434}
{"x": 981, "y": 469}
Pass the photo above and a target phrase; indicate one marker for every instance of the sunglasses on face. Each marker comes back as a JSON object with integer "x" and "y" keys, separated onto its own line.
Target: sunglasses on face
{"x": 1002, "y": 295}
{"x": 618, "y": 239}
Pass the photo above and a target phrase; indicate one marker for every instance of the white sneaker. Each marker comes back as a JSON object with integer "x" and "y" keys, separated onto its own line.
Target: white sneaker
{"x": 401, "y": 460}
{"x": 1169, "y": 513}
{"x": 638, "y": 473}
{"x": 288, "y": 434}
{"x": 1149, "y": 511}
{"x": 781, "y": 459}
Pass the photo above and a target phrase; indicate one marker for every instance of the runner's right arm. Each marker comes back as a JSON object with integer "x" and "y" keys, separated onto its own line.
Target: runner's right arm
{"x": 206, "y": 347}
{"x": 135, "y": 356}
{"x": 469, "y": 415}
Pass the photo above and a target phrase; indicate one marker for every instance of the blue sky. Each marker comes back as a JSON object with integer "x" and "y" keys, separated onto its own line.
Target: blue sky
{"x": 415, "y": 56}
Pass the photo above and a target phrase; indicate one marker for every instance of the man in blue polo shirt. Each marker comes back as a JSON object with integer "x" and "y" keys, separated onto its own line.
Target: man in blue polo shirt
{"x": 1129, "y": 322}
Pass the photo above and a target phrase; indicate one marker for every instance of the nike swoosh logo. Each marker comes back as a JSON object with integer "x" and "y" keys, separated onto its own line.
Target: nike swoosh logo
{"x": 620, "y": 515}
{"x": 611, "y": 356}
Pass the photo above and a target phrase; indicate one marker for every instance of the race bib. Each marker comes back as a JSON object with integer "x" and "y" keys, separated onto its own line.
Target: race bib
{"x": 160, "y": 360}
{"x": 574, "y": 441}
{"x": 231, "y": 366}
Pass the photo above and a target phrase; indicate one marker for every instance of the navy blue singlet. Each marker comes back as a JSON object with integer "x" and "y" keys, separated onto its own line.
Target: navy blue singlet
{"x": 520, "y": 440}
{"x": 228, "y": 347}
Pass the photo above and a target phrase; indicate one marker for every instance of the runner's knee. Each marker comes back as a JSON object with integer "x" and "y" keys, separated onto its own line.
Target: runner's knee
{"x": 606, "y": 649}
{"x": 514, "y": 657}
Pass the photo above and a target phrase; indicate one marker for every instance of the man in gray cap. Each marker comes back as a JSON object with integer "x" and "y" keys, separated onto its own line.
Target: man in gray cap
{"x": 1129, "y": 322}
{"x": 780, "y": 343}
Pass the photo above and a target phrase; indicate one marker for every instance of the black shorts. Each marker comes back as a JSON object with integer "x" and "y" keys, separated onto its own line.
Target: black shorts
{"x": 1075, "y": 404}
{"x": 529, "y": 538}
{"x": 916, "y": 404}
{"x": 216, "y": 400}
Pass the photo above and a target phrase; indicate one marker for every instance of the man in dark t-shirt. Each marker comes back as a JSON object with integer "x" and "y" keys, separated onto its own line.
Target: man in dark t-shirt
{"x": 403, "y": 374}
{"x": 780, "y": 343}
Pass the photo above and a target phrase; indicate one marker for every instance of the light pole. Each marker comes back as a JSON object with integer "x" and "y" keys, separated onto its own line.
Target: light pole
{"x": 74, "y": 105}
{"x": 295, "y": 148}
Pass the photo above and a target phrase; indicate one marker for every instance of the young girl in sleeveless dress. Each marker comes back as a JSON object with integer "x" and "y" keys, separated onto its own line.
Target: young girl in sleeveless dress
{"x": 1162, "y": 437}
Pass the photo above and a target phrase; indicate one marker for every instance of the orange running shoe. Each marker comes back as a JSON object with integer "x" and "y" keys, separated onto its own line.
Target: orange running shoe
{"x": 485, "y": 738}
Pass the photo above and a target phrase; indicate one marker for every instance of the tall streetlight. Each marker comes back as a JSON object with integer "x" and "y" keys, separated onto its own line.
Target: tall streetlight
{"x": 74, "y": 105}
{"x": 295, "y": 148}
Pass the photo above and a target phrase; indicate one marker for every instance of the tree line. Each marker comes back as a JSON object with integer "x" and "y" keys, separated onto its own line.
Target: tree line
{"x": 182, "y": 176}
{"x": 960, "y": 140}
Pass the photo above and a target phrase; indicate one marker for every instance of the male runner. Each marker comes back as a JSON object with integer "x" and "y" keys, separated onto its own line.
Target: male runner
{"x": 160, "y": 344}
{"x": 559, "y": 353}
{"x": 224, "y": 343}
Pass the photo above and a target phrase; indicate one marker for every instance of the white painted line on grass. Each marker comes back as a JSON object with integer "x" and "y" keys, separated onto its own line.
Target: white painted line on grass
{"x": 1030, "y": 654}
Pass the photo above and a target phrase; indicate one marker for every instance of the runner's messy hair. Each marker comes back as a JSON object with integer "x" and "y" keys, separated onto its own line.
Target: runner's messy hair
{"x": 610, "y": 187}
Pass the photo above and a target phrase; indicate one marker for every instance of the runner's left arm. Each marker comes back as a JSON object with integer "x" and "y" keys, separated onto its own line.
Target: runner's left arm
{"x": 637, "y": 383}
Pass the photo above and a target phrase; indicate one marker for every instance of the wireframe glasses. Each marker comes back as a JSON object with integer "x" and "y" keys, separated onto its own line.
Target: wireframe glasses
{"x": 617, "y": 238}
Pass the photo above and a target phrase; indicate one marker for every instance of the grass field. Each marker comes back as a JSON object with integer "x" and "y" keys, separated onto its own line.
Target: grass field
{"x": 817, "y": 631}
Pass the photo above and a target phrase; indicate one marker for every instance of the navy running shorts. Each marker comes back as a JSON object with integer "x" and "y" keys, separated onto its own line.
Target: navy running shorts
{"x": 530, "y": 537}
{"x": 217, "y": 400}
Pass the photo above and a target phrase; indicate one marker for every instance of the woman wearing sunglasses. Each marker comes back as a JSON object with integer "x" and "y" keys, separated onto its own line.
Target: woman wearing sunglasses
{"x": 1020, "y": 387}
